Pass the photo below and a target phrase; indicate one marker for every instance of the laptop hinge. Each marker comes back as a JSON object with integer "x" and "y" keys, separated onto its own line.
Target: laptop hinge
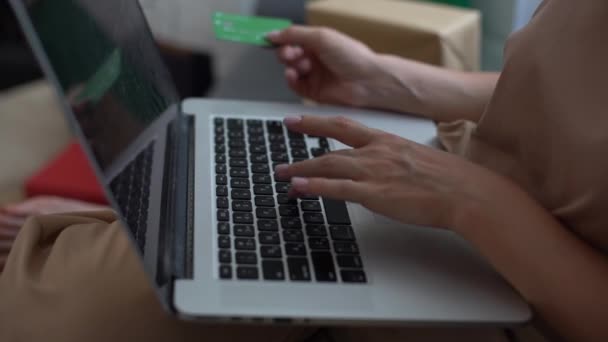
{"x": 175, "y": 240}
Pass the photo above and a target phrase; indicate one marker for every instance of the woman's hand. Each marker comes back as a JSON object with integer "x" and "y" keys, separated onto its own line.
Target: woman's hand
{"x": 387, "y": 174}
{"x": 326, "y": 66}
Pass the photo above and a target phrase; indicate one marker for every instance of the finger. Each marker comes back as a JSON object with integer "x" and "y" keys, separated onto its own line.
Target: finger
{"x": 289, "y": 54}
{"x": 5, "y": 246}
{"x": 304, "y": 36}
{"x": 9, "y": 221}
{"x": 338, "y": 189}
{"x": 335, "y": 166}
{"x": 9, "y": 232}
{"x": 304, "y": 66}
{"x": 340, "y": 128}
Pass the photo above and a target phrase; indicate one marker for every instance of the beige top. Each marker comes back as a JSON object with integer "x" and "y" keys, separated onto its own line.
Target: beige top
{"x": 546, "y": 126}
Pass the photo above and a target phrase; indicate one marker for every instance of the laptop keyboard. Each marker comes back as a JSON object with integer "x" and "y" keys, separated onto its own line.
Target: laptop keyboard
{"x": 262, "y": 233}
{"x": 131, "y": 189}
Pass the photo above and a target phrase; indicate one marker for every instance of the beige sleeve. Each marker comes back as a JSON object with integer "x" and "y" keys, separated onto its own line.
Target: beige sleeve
{"x": 77, "y": 278}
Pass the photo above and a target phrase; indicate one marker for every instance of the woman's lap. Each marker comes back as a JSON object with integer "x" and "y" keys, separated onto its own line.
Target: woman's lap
{"x": 76, "y": 277}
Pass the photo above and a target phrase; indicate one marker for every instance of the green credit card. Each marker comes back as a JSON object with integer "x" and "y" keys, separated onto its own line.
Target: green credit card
{"x": 246, "y": 29}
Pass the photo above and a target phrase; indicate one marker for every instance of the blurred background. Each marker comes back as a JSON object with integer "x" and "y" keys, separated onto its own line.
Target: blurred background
{"x": 33, "y": 131}
{"x": 185, "y": 23}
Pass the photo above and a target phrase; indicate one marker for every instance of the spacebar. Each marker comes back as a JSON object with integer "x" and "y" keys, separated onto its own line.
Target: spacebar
{"x": 336, "y": 211}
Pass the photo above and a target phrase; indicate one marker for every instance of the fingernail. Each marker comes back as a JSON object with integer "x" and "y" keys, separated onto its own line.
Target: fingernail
{"x": 273, "y": 35}
{"x": 281, "y": 169}
{"x": 299, "y": 184}
{"x": 292, "y": 120}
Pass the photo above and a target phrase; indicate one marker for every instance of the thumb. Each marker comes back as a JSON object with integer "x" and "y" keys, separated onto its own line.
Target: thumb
{"x": 304, "y": 36}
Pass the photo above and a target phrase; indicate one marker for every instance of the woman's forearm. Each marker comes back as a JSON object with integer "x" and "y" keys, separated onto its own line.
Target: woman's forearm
{"x": 564, "y": 278}
{"x": 437, "y": 93}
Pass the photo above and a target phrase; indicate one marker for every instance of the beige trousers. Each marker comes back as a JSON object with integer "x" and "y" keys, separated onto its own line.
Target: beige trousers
{"x": 77, "y": 278}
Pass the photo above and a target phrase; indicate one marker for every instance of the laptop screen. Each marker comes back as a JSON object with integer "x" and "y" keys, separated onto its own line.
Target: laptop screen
{"x": 108, "y": 66}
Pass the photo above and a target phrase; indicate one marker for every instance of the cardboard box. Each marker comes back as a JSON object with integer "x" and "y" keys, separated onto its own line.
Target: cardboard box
{"x": 436, "y": 34}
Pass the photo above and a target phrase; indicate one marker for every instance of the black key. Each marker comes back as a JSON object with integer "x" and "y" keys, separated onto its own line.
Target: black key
{"x": 219, "y": 130}
{"x": 271, "y": 251}
{"x": 255, "y": 130}
{"x": 323, "y": 143}
{"x": 295, "y": 249}
{"x": 240, "y": 194}
{"x": 238, "y": 162}
{"x": 299, "y": 153}
{"x": 218, "y": 121}
{"x": 297, "y": 160}
{"x": 247, "y": 273}
{"x": 221, "y": 180}
{"x": 346, "y": 248}
{"x": 310, "y": 206}
{"x": 226, "y": 272}
{"x": 236, "y": 143}
{"x": 336, "y": 212}
{"x": 291, "y": 223}
{"x": 264, "y": 201}
{"x": 244, "y": 244}
{"x": 282, "y": 188}
{"x": 313, "y": 218}
{"x": 220, "y": 158}
{"x": 237, "y": 153}
{"x": 238, "y": 172}
{"x": 273, "y": 270}
{"x": 223, "y": 228}
{"x": 284, "y": 199}
{"x": 289, "y": 211}
{"x": 262, "y": 189}
{"x": 220, "y": 148}
{"x": 278, "y": 147}
{"x": 316, "y": 230}
{"x": 276, "y": 138}
{"x": 261, "y": 179}
{"x": 240, "y": 183}
{"x": 246, "y": 258}
{"x": 254, "y": 123}
{"x": 225, "y": 256}
{"x": 280, "y": 157}
{"x": 318, "y": 243}
{"x": 220, "y": 168}
{"x": 268, "y": 225}
{"x": 223, "y": 241}
{"x": 274, "y": 126}
{"x": 236, "y": 123}
{"x": 257, "y": 148}
{"x": 239, "y": 217}
{"x": 219, "y": 139}
{"x": 260, "y": 168}
{"x": 309, "y": 198}
{"x": 342, "y": 233}
{"x": 258, "y": 159}
{"x": 266, "y": 213}
{"x": 257, "y": 139}
{"x": 236, "y": 135}
{"x": 353, "y": 276}
{"x": 293, "y": 236}
{"x": 269, "y": 238}
{"x": 222, "y": 203}
{"x": 317, "y": 152}
{"x": 223, "y": 215}
{"x": 323, "y": 264}
{"x": 349, "y": 261}
{"x": 298, "y": 269}
{"x": 295, "y": 135}
{"x": 242, "y": 206}
{"x": 241, "y": 230}
{"x": 297, "y": 144}
{"x": 221, "y": 191}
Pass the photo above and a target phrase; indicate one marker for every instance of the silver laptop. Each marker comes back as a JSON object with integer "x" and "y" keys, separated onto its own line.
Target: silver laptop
{"x": 219, "y": 237}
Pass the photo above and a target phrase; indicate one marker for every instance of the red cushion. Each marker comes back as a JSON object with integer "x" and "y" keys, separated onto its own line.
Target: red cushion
{"x": 68, "y": 175}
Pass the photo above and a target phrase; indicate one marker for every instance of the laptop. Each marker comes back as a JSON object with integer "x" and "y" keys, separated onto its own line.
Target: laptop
{"x": 218, "y": 236}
